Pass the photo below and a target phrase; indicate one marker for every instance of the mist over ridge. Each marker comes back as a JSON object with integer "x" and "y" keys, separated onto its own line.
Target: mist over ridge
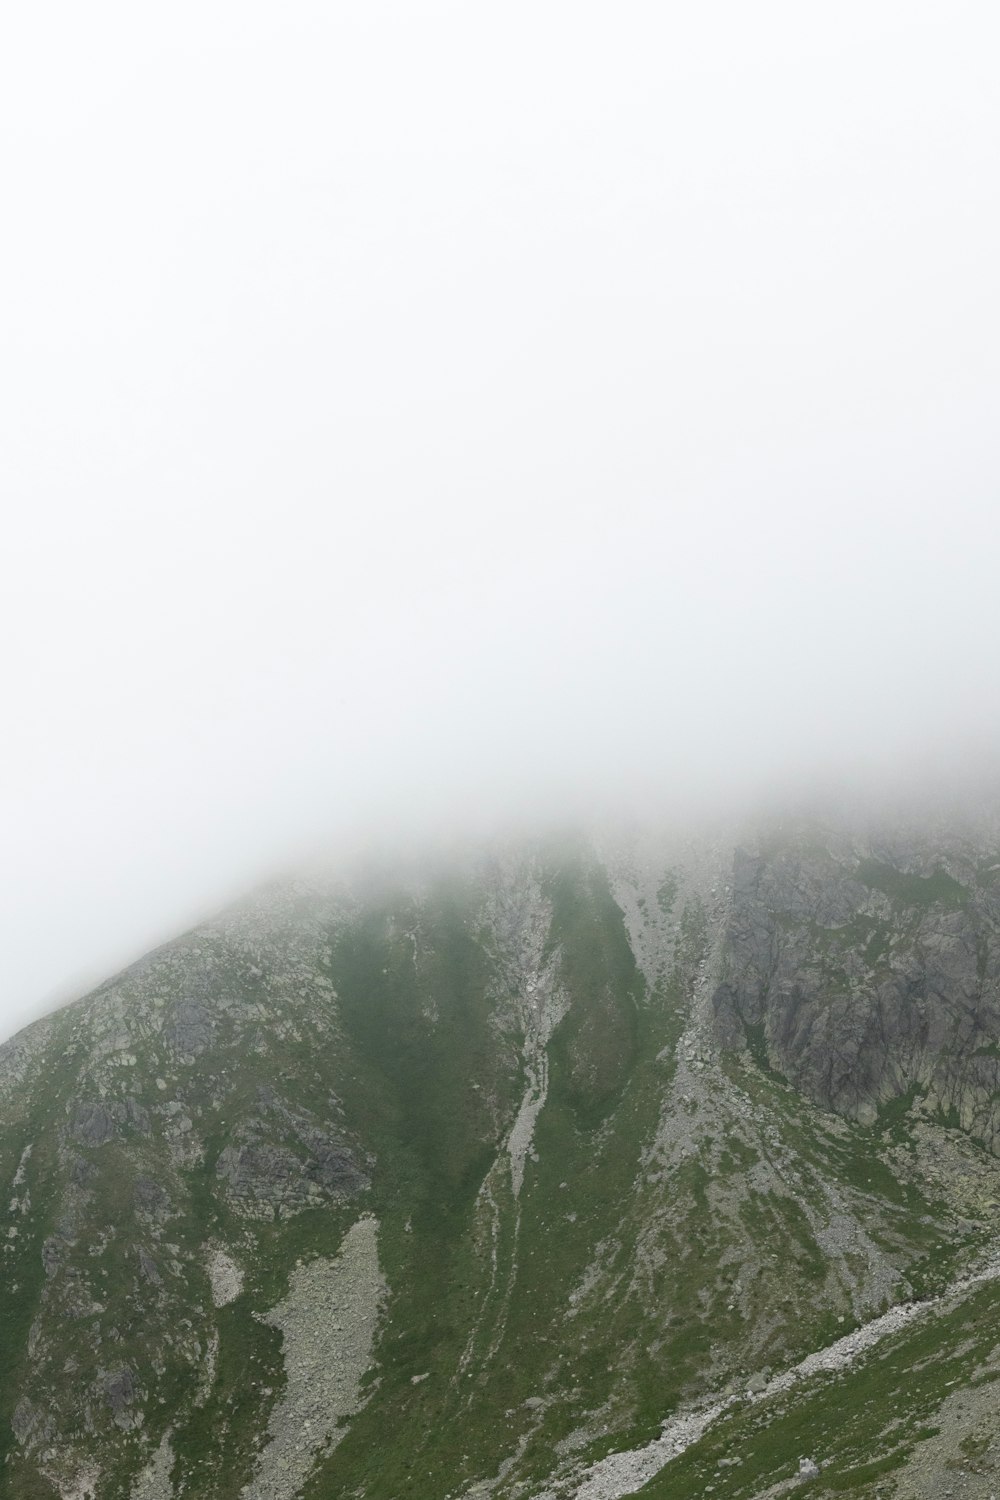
{"x": 500, "y": 750}
{"x": 471, "y": 420}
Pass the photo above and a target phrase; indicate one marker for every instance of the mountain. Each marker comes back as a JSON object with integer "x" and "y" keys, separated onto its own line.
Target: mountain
{"x": 578, "y": 1167}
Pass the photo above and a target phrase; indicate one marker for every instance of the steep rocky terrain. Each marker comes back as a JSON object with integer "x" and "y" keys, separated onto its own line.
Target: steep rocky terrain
{"x": 588, "y": 1167}
{"x": 868, "y": 969}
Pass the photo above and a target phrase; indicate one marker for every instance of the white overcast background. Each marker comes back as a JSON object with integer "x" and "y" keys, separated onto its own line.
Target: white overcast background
{"x": 416, "y": 412}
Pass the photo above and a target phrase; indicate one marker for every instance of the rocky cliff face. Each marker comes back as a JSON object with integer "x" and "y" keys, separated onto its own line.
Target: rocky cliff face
{"x": 866, "y": 969}
{"x": 462, "y": 1184}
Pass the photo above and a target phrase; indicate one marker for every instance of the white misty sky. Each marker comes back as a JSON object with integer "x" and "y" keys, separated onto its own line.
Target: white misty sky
{"x": 418, "y": 407}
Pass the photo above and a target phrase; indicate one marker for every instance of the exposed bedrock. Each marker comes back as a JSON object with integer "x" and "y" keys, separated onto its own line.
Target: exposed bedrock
{"x": 868, "y": 970}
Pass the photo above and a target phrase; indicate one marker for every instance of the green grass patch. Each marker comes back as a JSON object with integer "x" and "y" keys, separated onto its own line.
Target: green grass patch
{"x": 920, "y": 891}
{"x": 844, "y": 1422}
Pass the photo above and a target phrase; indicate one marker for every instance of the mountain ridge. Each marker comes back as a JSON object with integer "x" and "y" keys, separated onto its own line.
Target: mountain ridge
{"x": 514, "y": 1143}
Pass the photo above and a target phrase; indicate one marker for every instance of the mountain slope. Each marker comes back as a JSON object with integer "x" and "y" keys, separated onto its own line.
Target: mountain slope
{"x": 455, "y": 1183}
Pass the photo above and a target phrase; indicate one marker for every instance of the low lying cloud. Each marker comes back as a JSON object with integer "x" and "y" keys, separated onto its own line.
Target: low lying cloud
{"x": 421, "y": 417}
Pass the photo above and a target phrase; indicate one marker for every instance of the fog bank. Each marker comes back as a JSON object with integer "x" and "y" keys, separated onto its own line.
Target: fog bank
{"x": 431, "y": 415}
